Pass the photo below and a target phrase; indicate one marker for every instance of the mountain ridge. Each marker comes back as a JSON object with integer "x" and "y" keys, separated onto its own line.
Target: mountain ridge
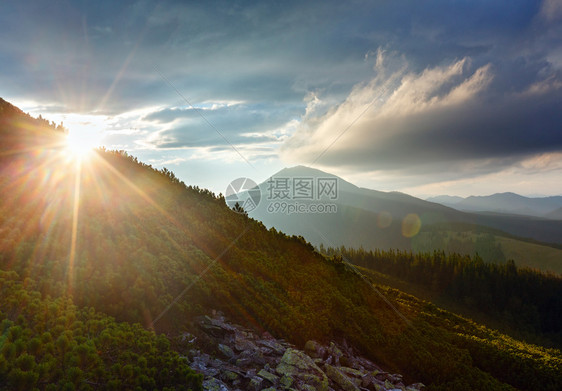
{"x": 506, "y": 202}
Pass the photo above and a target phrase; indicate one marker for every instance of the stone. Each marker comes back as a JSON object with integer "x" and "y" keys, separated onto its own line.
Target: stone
{"x": 286, "y": 381}
{"x": 273, "y": 345}
{"x": 226, "y": 351}
{"x": 243, "y": 362}
{"x": 340, "y": 378}
{"x": 213, "y": 384}
{"x": 229, "y": 376}
{"x": 242, "y": 344}
{"x": 255, "y": 383}
{"x": 314, "y": 349}
{"x": 256, "y": 357}
{"x": 246, "y": 360}
{"x": 366, "y": 380}
{"x": 296, "y": 363}
{"x": 318, "y": 382}
{"x": 294, "y": 360}
{"x": 268, "y": 376}
{"x": 351, "y": 372}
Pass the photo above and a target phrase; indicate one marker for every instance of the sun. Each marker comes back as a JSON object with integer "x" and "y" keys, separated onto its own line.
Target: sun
{"x": 81, "y": 142}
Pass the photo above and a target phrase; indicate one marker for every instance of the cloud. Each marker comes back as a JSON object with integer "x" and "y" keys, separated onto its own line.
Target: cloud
{"x": 443, "y": 121}
{"x": 220, "y": 125}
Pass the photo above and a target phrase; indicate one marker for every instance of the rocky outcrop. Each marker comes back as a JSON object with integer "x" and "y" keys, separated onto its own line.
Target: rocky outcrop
{"x": 234, "y": 358}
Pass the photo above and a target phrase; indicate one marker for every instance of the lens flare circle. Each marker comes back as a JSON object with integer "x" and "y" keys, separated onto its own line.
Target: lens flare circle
{"x": 411, "y": 225}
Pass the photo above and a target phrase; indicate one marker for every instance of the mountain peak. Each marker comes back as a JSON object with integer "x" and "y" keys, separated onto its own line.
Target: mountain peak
{"x": 301, "y": 170}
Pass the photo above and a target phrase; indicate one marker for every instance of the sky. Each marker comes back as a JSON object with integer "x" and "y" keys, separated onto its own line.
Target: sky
{"x": 429, "y": 98}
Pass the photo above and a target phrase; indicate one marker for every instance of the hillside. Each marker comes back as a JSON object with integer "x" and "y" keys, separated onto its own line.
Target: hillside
{"x": 111, "y": 233}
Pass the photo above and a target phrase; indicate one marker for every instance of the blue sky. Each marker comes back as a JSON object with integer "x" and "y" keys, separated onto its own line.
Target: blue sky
{"x": 432, "y": 97}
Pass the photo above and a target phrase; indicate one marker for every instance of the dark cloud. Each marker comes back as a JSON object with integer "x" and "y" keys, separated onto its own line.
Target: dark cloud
{"x": 444, "y": 121}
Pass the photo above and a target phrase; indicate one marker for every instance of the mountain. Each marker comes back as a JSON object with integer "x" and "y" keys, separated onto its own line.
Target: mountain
{"x": 350, "y": 216}
{"x": 446, "y": 200}
{"x": 107, "y": 264}
{"x": 358, "y": 217}
{"x": 509, "y": 203}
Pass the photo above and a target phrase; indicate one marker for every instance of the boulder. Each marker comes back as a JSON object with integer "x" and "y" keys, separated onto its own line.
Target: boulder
{"x": 296, "y": 363}
{"x": 340, "y": 378}
{"x": 286, "y": 382}
{"x": 226, "y": 351}
{"x": 255, "y": 383}
{"x": 213, "y": 384}
{"x": 314, "y": 349}
{"x": 268, "y": 376}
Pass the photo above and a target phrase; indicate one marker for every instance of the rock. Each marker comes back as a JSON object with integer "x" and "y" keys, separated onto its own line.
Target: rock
{"x": 213, "y": 384}
{"x": 255, "y": 383}
{"x": 273, "y": 345}
{"x": 381, "y": 375}
{"x": 367, "y": 380}
{"x": 229, "y": 376}
{"x": 255, "y": 357}
{"x": 314, "y": 349}
{"x": 318, "y": 382}
{"x": 286, "y": 381}
{"x": 296, "y": 363}
{"x": 242, "y": 344}
{"x": 226, "y": 351}
{"x": 340, "y": 378}
{"x": 243, "y": 362}
{"x": 268, "y": 376}
{"x": 251, "y": 361}
{"x": 294, "y": 360}
{"x": 336, "y": 353}
{"x": 350, "y": 372}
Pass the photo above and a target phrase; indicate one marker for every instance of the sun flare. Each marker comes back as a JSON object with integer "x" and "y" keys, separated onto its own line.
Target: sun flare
{"x": 81, "y": 143}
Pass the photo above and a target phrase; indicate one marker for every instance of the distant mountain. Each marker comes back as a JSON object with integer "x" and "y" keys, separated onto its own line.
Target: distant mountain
{"x": 374, "y": 219}
{"x": 509, "y": 203}
{"x": 445, "y": 200}
{"x": 360, "y": 217}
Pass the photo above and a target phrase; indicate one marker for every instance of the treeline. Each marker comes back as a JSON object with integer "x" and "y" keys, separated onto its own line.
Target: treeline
{"x": 526, "y": 299}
